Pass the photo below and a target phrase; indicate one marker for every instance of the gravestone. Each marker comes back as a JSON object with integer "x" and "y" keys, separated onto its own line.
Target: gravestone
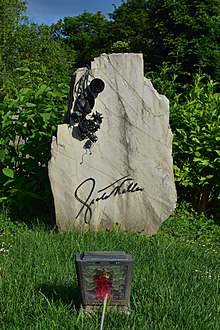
{"x": 111, "y": 162}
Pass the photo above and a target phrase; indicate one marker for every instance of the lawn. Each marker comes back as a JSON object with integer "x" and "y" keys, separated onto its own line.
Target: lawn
{"x": 176, "y": 279}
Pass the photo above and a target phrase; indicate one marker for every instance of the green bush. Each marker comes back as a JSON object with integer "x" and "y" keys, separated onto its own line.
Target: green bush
{"x": 194, "y": 119}
{"x": 30, "y": 109}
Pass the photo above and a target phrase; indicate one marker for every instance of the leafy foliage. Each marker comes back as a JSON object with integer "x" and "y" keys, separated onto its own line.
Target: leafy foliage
{"x": 196, "y": 127}
{"x": 21, "y": 40}
{"x": 30, "y": 109}
{"x": 11, "y": 14}
{"x": 88, "y": 34}
{"x": 36, "y": 43}
{"x": 182, "y": 32}
{"x": 195, "y": 122}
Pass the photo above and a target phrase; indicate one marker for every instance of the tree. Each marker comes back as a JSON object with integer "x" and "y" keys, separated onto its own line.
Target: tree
{"x": 181, "y": 32}
{"x": 11, "y": 14}
{"x": 189, "y": 33}
{"x": 36, "y": 43}
{"x": 130, "y": 25}
{"x": 88, "y": 34}
{"x": 21, "y": 40}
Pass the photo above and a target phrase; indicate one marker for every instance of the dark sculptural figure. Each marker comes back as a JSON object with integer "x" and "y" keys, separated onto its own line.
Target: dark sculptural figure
{"x": 82, "y": 117}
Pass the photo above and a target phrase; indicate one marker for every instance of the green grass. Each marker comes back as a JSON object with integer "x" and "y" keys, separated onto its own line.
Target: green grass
{"x": 176, "y": 280}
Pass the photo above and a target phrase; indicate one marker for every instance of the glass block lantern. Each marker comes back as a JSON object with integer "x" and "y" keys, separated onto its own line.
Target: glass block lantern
{"x": 102, "y": 274}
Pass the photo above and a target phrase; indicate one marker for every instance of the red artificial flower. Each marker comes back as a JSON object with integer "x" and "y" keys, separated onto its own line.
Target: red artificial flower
{"x": 103, "y": 286}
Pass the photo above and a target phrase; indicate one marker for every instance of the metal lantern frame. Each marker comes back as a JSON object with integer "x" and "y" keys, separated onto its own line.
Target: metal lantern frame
{"x": 104, "y": 275}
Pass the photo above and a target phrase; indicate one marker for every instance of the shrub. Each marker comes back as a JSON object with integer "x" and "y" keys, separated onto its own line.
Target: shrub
{"x": 194, "y": 119}
{"x": 30, "y": 109}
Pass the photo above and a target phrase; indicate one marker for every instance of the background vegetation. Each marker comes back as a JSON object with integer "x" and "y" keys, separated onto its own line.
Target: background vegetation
{"x": 180, "y": 43}
{"x": 176, "y": 276}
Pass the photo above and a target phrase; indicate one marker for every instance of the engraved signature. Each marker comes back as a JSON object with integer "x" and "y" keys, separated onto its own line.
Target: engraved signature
{"x": 119, "y": 187}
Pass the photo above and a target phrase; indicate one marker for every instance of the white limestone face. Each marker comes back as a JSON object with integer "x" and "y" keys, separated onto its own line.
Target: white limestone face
{"x": 126, "y": 178}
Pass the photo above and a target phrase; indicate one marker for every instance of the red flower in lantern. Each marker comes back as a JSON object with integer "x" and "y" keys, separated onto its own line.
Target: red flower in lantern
{"x": 103, "y": 282}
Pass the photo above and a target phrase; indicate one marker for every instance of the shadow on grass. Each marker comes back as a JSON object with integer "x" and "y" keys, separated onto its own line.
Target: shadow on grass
{"x": 65, "y": 294}
{"x": 36, "y": 214}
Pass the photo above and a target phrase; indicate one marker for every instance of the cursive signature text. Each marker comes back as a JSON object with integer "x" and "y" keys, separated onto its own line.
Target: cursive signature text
{"x": 121, "y": 186}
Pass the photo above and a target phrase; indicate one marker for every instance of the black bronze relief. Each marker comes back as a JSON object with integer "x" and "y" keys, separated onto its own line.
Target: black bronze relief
{"x": 82, "y": 118}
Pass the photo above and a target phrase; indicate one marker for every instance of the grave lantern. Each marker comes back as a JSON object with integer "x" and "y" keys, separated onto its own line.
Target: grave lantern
{"x": 105, "y": 275}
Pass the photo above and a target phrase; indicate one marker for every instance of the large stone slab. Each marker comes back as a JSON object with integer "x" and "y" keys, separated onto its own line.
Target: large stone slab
{"x": 126, "y": 177}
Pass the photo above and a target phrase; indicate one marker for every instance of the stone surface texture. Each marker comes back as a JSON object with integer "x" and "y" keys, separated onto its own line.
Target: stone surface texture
{"x": 126, "y": 178}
